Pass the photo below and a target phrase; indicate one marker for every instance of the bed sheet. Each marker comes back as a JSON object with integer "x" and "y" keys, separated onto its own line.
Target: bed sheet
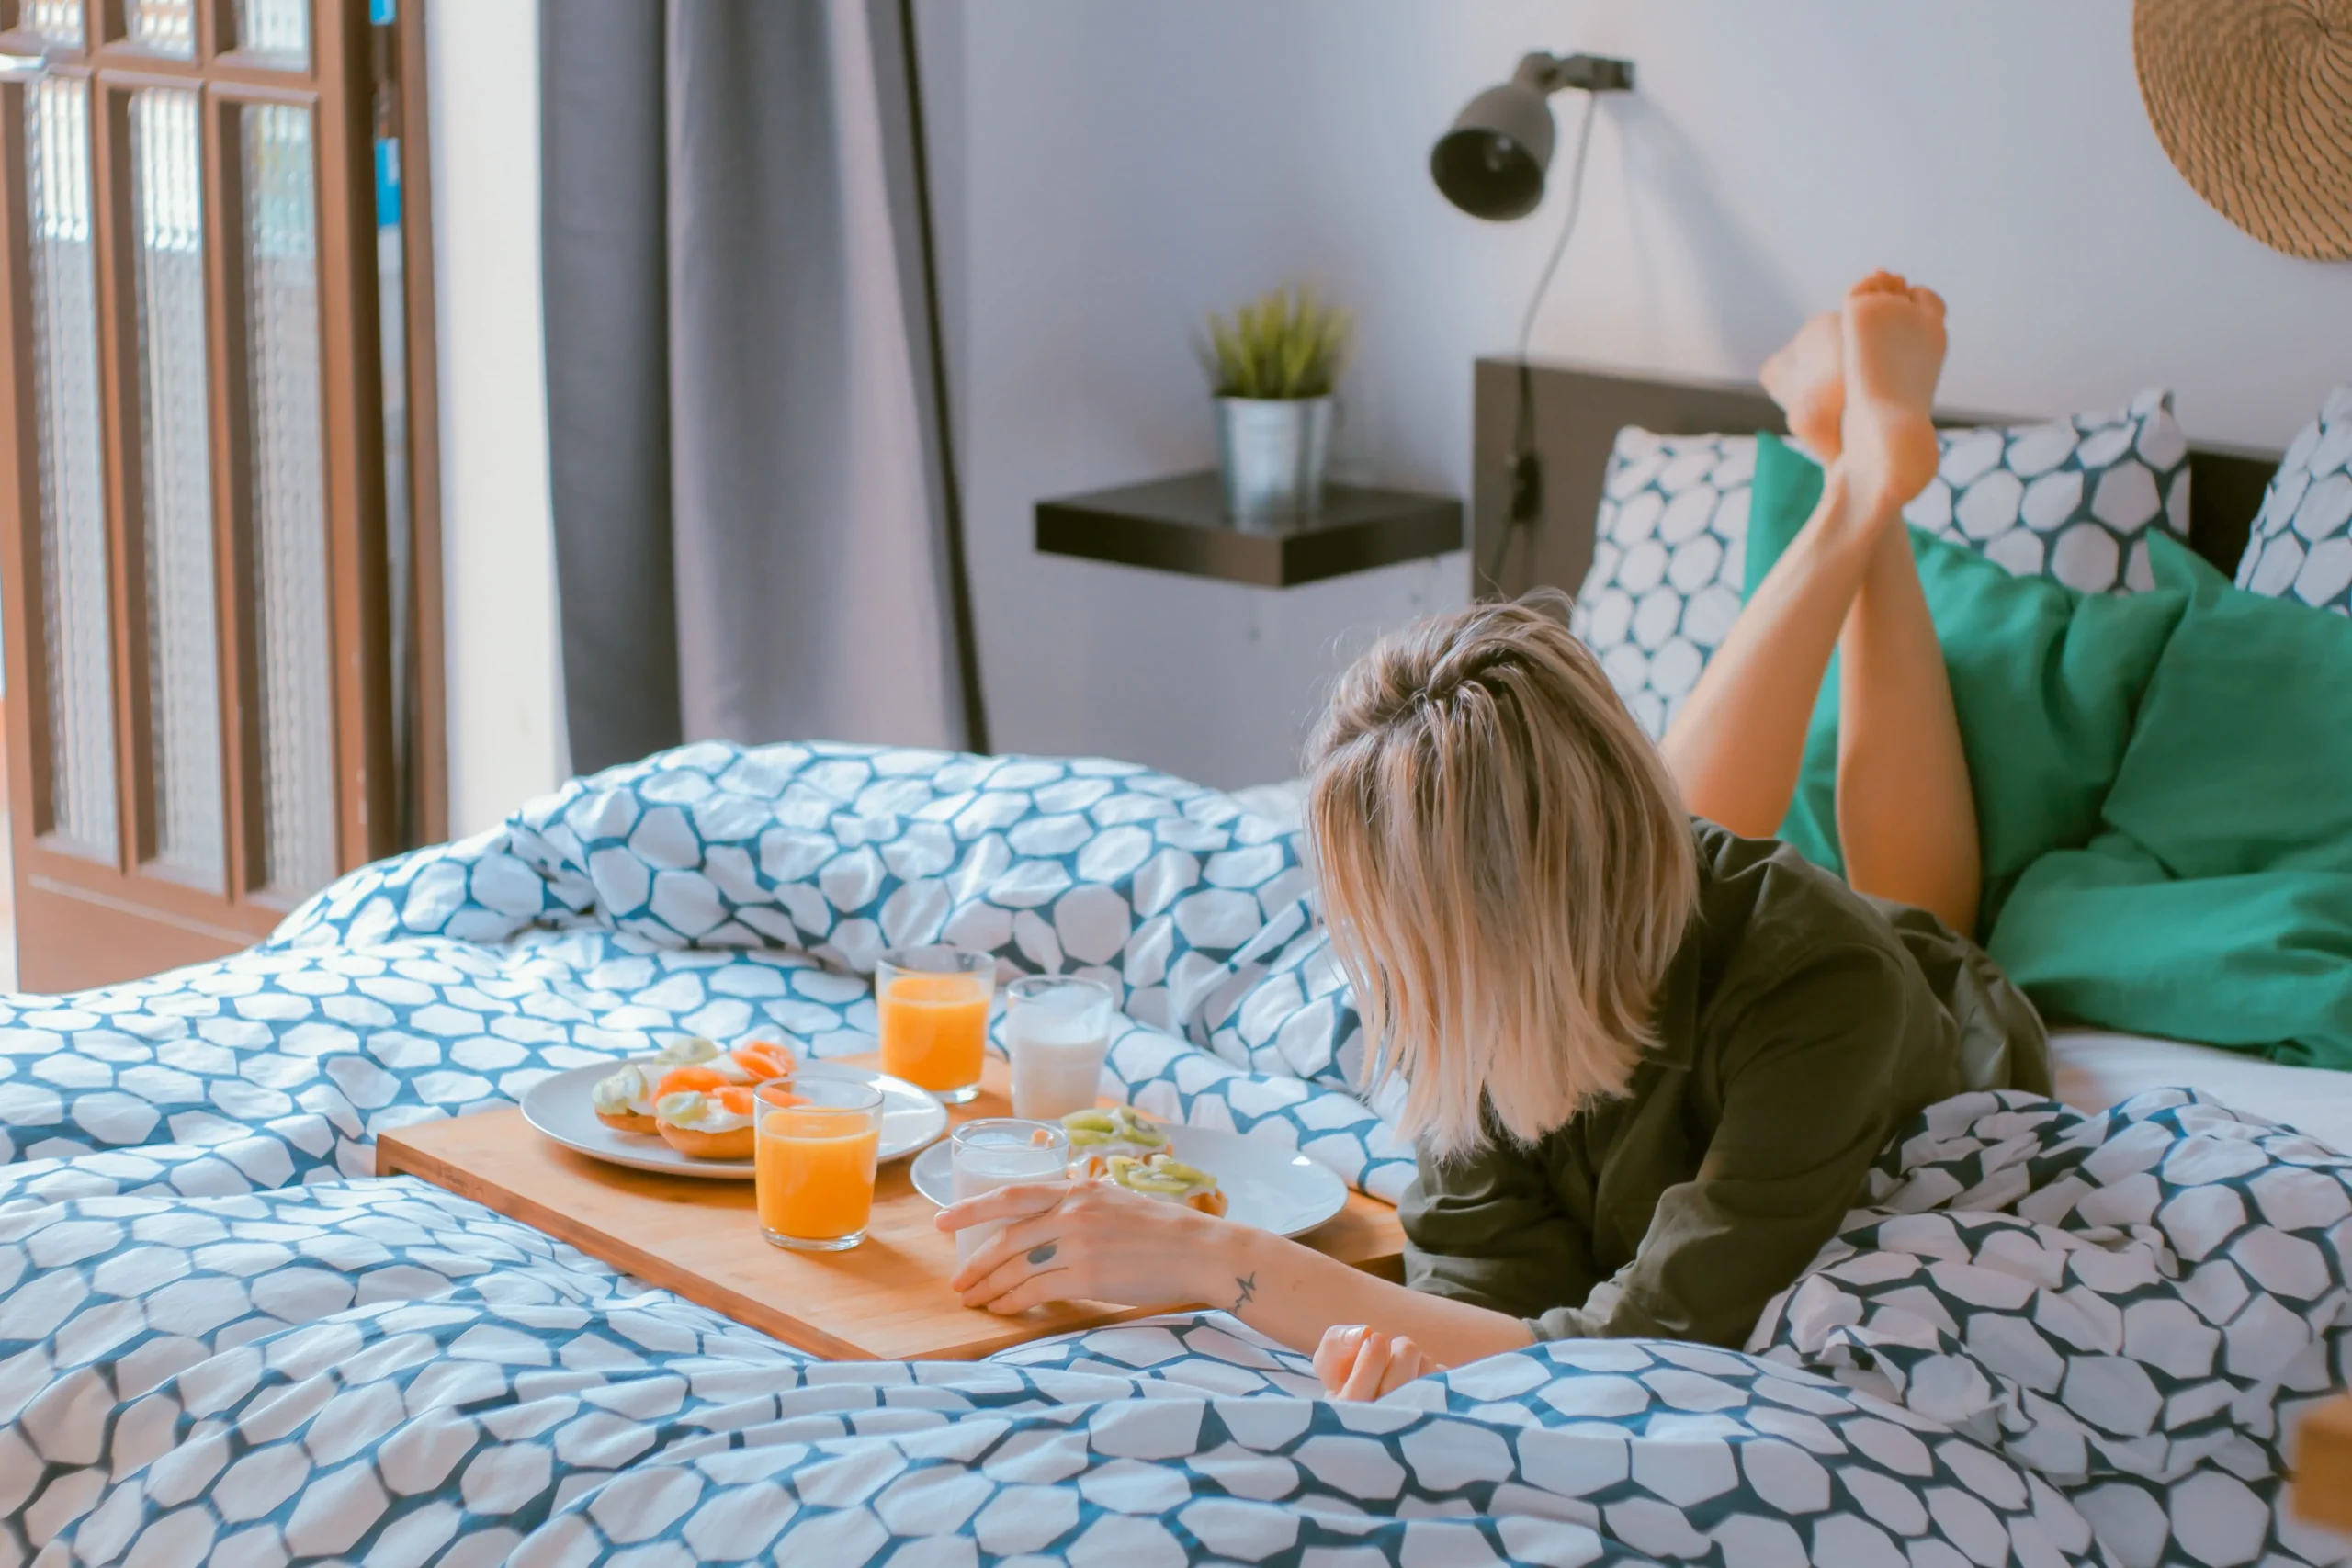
{"x": 2096, "y": 1069}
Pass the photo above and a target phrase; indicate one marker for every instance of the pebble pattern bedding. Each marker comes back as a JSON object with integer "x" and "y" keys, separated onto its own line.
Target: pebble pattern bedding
{"x": 2046, "y": 1337}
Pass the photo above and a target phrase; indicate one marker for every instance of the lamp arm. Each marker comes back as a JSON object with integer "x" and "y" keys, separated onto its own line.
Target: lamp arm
{"x": 1587, "y": 73}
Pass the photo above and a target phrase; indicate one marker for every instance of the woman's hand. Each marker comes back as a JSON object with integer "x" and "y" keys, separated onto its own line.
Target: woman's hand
{"x": 1358, "y": 1363}
{"x": 1092, "y": 1241}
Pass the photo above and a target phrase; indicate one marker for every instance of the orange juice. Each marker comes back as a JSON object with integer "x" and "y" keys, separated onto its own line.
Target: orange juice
{"x": 934, "y": 1027}
{"x": 814, "y": 1172}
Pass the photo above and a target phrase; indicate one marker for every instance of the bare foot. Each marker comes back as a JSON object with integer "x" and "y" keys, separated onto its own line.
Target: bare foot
{"x": 1895, "y": 350}
{"x": 1807, "y": 378}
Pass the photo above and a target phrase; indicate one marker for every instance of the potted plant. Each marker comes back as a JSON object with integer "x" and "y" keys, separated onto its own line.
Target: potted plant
{"x": 1271, "y": 367}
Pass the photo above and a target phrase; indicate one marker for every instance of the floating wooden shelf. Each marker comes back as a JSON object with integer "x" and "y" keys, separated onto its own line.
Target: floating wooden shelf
{"x": 1178, "y": 525}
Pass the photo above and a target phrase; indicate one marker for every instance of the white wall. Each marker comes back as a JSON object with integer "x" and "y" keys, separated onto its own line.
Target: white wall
{"x": 1108, "y": 170}
{"x": 504, "y": 715}
{"x": 1128, "y": 165}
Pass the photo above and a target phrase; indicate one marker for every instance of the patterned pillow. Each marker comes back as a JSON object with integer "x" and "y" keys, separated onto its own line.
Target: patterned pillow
{"x": 2302, "y": 538}
{"x": 2069, "y": 500}
{"x": 1671, "y": 543}
{"x": 2072, "y": 500}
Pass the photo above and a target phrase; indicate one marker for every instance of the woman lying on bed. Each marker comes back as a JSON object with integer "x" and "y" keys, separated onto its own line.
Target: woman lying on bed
{"x": 1647, "y": 1061}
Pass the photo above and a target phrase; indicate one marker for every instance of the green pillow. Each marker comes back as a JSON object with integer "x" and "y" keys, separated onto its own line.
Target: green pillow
{"x": 2045, "y": 681}
{"x": 2219, "y": 906}
{"x": 2260, "y": 962}
{"x": 2242, "y": 759}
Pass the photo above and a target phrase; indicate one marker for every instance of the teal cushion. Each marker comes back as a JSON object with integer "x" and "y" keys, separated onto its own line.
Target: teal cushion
{"x": 2218, "y": 907}
{"x": 2260, "y": 962}
{"x": 2242, "y": 759}
{"x": 2045, "y": 681}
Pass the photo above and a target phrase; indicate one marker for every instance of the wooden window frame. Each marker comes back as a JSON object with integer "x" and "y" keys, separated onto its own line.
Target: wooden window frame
{"x": 67, "y": 897}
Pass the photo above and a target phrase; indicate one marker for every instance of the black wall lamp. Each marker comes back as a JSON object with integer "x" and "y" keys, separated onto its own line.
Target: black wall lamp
{"x": 1492, "y": 165}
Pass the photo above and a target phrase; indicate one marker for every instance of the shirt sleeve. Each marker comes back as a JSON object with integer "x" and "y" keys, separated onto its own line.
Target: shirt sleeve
{"x": 1809, "y": 1074}
{"x": 1486, "y": 1229}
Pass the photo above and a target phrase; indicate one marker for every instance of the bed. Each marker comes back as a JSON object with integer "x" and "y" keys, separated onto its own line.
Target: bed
{"x": 2050, "y": 1333}
{"x": 2040, "y": 1340}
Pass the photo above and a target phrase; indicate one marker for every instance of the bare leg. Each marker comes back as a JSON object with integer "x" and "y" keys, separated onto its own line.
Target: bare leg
{"x": 1738, "y": 742}
{"x": 1907, "y": 816}
{"x": 1907, "y": 820}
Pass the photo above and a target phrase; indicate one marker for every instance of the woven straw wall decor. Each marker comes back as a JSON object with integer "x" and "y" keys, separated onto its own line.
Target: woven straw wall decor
{"x": 2252, "y": 100}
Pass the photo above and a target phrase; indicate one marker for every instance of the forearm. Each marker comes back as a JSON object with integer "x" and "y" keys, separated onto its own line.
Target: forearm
{"x": 1292, "y": 1293}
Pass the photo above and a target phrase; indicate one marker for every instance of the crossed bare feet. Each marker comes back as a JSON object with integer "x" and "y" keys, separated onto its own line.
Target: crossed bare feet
{"x": 1807, "y": 378}
{"x": 1857, "y": 385}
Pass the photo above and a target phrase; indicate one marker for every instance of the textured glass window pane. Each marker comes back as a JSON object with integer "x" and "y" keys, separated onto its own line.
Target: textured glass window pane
{"x": 167, "y": 27}
{"x": 184, "y": 691}
{"x": 74, "y": 620}
{"x": 289, "y": 500}
{"x": 277, "y": 29}
{"x": 59, "y": 21}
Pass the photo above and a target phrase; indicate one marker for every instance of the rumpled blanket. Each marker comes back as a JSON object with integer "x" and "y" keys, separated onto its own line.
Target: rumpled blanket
{"x": 719, "y": 891}
{"x": 2046, "y": 1338}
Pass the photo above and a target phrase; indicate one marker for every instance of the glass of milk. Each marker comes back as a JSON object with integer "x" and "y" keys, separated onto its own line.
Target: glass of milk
{"x": 1056, "y": 1029}
{"x": 1000, "y": 1151}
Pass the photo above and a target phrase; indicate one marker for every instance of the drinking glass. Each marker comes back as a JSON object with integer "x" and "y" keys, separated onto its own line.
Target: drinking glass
{"x": 998, "y": 1151}
{"x": 1057, "y": 1029}
{"x": 813, "y": 1160}
{"x": 933, "y": 1008}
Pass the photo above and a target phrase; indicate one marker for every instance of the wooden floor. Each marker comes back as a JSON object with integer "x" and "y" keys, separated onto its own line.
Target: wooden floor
{"x": 7, "y": 905}
{"x": 7, "y": 872}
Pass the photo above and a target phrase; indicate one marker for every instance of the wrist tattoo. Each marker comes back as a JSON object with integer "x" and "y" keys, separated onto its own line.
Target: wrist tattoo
{"x": 1043, "y": 1253}
{"x": 1245, "y": 1289}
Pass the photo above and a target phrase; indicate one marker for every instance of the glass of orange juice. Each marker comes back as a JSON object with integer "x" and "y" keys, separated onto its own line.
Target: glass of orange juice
{"x": 933, "y": 1003}
{"x": 813, "y": 1160}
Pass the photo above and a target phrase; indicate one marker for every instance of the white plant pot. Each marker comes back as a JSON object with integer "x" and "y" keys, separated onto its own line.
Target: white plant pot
{"x": 1273, "y": 452}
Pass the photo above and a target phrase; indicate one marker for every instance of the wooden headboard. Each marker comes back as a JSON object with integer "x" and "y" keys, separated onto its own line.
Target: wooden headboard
{"x": 1578, "y": 412}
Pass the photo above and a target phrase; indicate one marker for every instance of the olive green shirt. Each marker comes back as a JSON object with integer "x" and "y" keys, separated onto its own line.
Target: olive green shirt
{"x": 1800, "y": 1025}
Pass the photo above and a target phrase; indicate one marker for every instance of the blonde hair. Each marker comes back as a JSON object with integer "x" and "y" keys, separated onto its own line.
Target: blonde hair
{"x": 1506, "y": 866}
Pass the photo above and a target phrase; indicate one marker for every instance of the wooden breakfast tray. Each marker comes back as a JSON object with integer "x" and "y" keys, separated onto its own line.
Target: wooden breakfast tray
{"x": 886, "y": 1299}
{"x": 2322, "y": 1483}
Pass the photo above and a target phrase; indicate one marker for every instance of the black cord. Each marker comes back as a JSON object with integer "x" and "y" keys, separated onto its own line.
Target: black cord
{"x": 1526, "y": 472}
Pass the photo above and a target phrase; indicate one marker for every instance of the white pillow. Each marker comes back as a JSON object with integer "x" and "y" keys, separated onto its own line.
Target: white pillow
{"x": 2302, "y": 545}
{"x": 2071, "y": 499}
{"x": 1670, "y": 548}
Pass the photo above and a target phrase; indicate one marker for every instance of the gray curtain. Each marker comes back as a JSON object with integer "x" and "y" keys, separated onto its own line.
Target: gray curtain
{"x": 756, "y": 533}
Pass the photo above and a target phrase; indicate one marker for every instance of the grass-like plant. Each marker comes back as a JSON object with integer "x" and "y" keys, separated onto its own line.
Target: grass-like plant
{"x": 1285, "y": 345}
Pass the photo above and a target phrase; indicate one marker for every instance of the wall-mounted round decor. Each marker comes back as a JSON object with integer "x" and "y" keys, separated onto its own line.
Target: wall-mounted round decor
{"x": 2253, "y": 102}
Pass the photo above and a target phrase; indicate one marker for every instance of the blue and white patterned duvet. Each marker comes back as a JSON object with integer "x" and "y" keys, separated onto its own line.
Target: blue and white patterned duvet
{"x": 2050, "y": 1338}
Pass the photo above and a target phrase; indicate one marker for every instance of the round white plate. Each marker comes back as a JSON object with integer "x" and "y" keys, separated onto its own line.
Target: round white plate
{"x": 1265, "y": 1185}
{"x": 560, "y": 1108}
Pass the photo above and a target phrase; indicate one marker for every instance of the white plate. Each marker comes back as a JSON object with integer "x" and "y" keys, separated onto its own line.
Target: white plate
{"x": 1265, "y": 1185}
{"x": 560, "y": 1108}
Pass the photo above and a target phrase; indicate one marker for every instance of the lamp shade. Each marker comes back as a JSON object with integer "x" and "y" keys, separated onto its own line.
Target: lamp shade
{"x": 1491, "y": 163}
